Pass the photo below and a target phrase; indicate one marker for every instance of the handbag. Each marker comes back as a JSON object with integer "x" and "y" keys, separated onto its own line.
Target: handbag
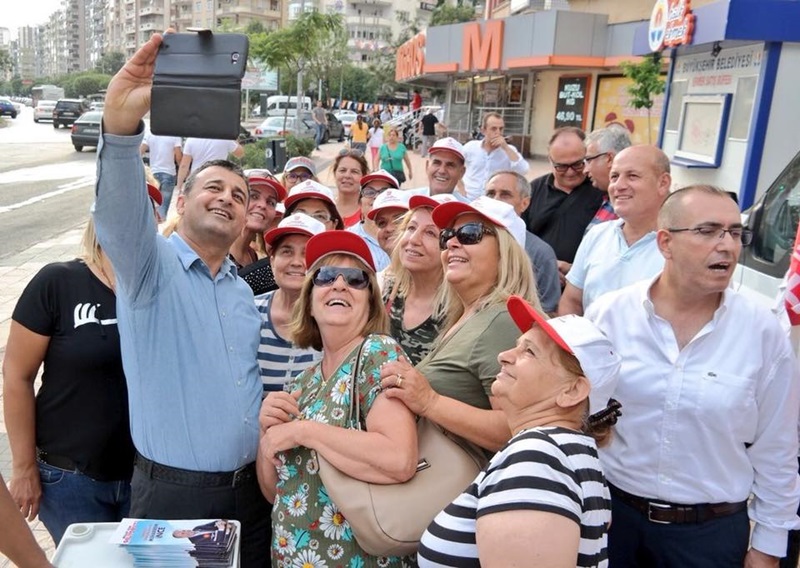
{"x": 388, "y": 520}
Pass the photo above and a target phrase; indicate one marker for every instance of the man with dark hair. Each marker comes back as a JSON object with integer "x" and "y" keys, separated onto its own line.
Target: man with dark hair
{"x": 189, "y": 329}
{"x": 709, "y": 392}
{"x": 564, "y": 201}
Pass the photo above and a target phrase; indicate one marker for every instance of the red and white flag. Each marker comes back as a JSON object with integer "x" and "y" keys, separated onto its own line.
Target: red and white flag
{"x": 793, "y": 284}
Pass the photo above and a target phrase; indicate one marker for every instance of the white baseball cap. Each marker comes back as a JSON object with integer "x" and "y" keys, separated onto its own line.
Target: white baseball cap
{"x": 389, "y": 199}
{"x": 381, "y": 175}
{"x": 448, "y": 144}
{"x": 583, "y": 339}
{"x": 497, "y": 212}
{"x": 295, "y": 224}
{"x": 309, "y": 189}
{"x": 417, "y": 201}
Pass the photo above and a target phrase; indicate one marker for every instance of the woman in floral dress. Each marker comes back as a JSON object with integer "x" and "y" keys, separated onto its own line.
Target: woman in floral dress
{"x": 339, "y": 309}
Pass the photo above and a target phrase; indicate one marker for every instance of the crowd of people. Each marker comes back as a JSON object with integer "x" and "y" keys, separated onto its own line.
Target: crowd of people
{"x": 578, "y": 329}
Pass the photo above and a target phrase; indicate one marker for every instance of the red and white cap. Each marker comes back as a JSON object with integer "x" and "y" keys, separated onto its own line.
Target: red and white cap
{"x": 264, "y": 178}
{"x": 389, "y": 199}
{"x": 309, "y": 189}
{"x": 496, "y": 212}
{"x": 583, "y": 339}
{"x": 381, "y": 175}
{"x": 431, "y": 201}
{"x": 155, "y": 194}
{"x": 295, "y": 224}
{"x": 338, "y": 242}
{"x": 448, "y": 144}
{"x": 300, "y": 162}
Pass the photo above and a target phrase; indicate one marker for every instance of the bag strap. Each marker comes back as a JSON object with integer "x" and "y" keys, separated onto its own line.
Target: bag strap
{"x": 355, "y": 403}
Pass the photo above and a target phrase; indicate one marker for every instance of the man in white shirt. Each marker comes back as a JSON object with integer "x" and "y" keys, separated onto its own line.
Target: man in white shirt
{"x": 709, "y": 393}
{"x": 492, "y": 154}
{"x": 198, "y": 151}
{"x": 165, "y": 152}
{"x": 617, "y": 253}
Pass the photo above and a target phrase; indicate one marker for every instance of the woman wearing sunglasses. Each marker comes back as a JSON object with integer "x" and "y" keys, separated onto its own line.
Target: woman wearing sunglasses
{"x": 315, "y": 200}
{"x": 413, "y": 290}
{"x": 554, "y": 388}
{"x": 338, "y": 310}
{"x": 484, "y": 264}
{"x": 348, "y": 169}
{"x": 297, "y": 170}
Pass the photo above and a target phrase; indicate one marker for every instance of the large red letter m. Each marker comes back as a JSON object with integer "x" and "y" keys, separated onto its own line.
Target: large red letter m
{"x": 482, "y": 53}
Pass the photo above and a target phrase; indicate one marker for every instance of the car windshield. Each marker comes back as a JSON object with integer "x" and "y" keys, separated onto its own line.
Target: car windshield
{"x": 91, "y": 117}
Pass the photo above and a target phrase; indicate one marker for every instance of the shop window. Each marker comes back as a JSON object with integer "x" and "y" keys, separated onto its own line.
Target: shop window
{"x": 743, "y": 103}
{"x": 676, "y": 93}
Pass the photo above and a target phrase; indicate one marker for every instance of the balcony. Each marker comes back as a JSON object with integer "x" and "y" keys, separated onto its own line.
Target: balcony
{"x": 371, "y": 3}
{"x": 371, "y": 21}
{"x": 151, "y": 9}
{"x": 148, "y": 27}
{"x": 366, "y": 44}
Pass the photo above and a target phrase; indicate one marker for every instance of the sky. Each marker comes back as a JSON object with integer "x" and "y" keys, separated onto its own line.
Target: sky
{"x": 27, "y": 13}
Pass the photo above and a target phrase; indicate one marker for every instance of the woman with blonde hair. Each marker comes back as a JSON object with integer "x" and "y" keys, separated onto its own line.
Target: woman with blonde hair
{"x": 339, "y": 312}
{"x": 484, "y": 264}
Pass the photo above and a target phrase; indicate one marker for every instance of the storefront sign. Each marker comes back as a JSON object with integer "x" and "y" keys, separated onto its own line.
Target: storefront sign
{"x": 705, "y": 73}
{"x": 482, "y": 52}
{"x": 671, "y": 24}
{"x": 410, "y": 58}
{"x": 572, "y": 100}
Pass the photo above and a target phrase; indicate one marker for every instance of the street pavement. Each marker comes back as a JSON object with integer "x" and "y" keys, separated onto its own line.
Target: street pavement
{"x": 16, "y": 270}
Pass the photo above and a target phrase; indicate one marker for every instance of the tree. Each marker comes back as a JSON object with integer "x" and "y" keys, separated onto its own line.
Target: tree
{"x": 330, "y": 56}
{"x": 447, "y": 14}
{"x": 647, "y": 83}
{"x": 5, "y": 61}
{"x": 110, "y": 63}
{"x": 84, "y": 84}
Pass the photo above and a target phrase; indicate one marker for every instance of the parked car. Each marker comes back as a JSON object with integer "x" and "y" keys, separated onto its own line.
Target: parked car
{"x": 346, "y": 117}
{"x": 7, "y": 108}
{"x": 335, "y": 130}
{"x": 86, "y": 130}
{"x": 97, "y": 105}
{"x": 67, "y": 111}
{"x": 44, "y": 111}
{"x": 275, "y": 126}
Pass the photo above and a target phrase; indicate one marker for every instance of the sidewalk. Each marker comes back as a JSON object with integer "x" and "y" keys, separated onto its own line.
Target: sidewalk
{"x": 17, "y": 270}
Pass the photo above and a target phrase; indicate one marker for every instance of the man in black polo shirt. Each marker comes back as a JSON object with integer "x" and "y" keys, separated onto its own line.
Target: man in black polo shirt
{"x": 564, "y": 201}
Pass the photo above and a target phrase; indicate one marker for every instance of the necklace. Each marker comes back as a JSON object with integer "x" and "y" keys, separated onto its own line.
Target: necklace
{"x": 111, "y": 283}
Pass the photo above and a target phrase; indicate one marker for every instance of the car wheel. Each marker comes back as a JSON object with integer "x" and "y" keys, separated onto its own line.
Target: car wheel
{"x": 36, "y": 120}
{"x": 341, "y": 136}
{"x": 55, "y": 125}
{"x": 325, "y": 137}
{"x": 78, "y": 147}
{"x": 14, "y": 115}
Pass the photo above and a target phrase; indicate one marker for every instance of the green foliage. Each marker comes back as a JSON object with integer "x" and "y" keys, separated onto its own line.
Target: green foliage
{"x": 110, "y": 63}
{"x": 647, "y": 81}
{"x": 83, "y": 84}
{"x": 5, "y": 60}
{"x": 357, "y": 84}
{"x": 254, "y": 28}
{"x": 445, "y": 14}
{"x": 254, "y": 155}
{"x": 298, "y": 146}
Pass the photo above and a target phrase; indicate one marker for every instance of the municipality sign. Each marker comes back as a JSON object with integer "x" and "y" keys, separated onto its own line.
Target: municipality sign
{"x": 671, "y": 24}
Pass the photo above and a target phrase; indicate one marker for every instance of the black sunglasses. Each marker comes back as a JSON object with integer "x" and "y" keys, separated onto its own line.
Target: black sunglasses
{"x": 467, "y": 234}
{"x": 577, "y": 167}
{"x": 354, "y": 277}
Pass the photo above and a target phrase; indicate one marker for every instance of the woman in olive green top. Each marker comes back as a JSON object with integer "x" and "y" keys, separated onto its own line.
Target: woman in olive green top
{"x": 485, "y": 263}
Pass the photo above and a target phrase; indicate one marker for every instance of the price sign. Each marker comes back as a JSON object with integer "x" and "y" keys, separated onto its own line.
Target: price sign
{"x": 572, "y": 100}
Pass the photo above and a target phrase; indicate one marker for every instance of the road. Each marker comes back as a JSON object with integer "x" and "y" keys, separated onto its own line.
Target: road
{"x": 46, "y": 187}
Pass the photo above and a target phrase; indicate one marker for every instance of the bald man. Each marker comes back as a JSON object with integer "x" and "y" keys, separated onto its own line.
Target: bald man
{"x": 620, "y": 252}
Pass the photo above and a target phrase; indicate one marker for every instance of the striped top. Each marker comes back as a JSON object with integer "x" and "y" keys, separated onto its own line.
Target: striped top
{"x": 544, "y": 469}
{"x": 278, "y": 359}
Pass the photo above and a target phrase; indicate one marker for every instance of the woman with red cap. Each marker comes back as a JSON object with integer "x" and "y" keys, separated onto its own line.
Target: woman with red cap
{"x": 543, "y": 500}
{"x": 340, "y": 312}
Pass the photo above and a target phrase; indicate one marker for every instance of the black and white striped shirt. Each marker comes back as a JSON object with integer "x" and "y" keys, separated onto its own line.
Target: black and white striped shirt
{"x": 544, "y": 469}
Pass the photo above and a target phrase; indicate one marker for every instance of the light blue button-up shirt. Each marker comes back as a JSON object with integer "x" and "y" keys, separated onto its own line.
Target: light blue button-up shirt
{"x": 189, "y": 340}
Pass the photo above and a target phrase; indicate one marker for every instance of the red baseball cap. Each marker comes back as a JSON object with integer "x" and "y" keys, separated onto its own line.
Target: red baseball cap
{"x": 155, "y": 194}
{"x": 381, "y": 175}
{"x": 309, "y": 189}
{"x": 431, "y": 201}
{"x": 256, "y": 180}
{"x": 338, "y": 242}
{"x": 294, "y": 224}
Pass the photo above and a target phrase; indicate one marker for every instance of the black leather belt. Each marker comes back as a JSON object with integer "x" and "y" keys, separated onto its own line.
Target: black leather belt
{"x": 68, "y": 464}
{"x": 673, "y": 513}
{"x": 191, "y": 478}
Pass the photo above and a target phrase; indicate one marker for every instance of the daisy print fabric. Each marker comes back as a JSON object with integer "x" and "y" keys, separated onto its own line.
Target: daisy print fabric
{"x": 309, "y": 531}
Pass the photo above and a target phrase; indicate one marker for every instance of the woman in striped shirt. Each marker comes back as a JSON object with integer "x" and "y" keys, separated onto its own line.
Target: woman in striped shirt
{"x": 278, "y": 359}
{"x": 543, "y": 499}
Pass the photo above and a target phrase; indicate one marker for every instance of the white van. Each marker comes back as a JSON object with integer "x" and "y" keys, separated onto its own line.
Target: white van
{"x": 773, "y": 220}
{"x": 278, "y": 104}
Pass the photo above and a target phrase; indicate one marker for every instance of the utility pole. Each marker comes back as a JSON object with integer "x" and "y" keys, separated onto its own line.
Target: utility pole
{"x": 299, "y": 81}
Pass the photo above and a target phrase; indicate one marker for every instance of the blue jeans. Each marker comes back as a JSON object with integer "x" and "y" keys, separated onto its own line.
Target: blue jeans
{"x": 71, "y": 497}
{"x": 167, "y": 186}
{"x": 320, "y": 134}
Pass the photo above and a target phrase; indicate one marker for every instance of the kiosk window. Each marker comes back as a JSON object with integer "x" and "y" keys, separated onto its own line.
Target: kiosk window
{"x": 774, "y": 236}
{"x": 676, "y": 92}
{"x": 743, "y": 107}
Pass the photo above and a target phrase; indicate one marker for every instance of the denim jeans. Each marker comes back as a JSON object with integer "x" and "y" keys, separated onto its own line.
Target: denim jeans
{"x": 167, "y": 186}
{"x": 320, "y": 134}
{"x": 71, "y": 497}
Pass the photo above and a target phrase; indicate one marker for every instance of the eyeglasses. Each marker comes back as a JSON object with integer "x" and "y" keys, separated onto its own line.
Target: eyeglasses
{"x": 351, "y": 153}
{"x": 354, "y": 277}
{"x": 588, "y": 159}
{"x": 708, "y": 232}
{"x": 577, "y": 167}
{"x": 298, "y": 177}
{"x": 321, "y": 217}
{"x": 371, "y": 192}
{"x": 467, "y": 234}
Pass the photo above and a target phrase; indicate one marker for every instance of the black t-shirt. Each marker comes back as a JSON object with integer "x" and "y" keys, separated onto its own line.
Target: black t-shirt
{"x": 429, "y": 124}
{"x": 558, "y": 218}
{"x": 82, "y": 405}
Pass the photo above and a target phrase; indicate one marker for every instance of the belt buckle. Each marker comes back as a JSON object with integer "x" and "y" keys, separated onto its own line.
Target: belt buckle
{"x": 239, "y": 476}
{"x": 657, "y": 506}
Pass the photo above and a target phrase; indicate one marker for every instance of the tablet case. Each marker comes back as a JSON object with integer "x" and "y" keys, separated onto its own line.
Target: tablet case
{"x": 197, "y": 85}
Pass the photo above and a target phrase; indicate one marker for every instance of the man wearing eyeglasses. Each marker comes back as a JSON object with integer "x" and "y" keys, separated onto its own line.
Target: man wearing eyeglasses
{"x": 601, "y": 147}
{"x": 709, "y": 393}
{"x": 564, "y": 201}
{"x": 621, "y": 252}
